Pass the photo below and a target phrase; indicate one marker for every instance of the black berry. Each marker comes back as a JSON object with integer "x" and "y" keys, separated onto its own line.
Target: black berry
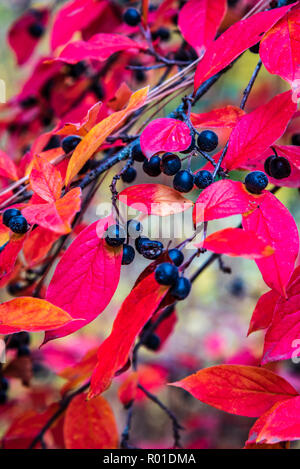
{"x": 152, "y": 342}
{"x": 4, "y": 384}
{"x": 176, "y": 256}
{"x": 256, "y": 182}
{"x": 70, "y": 142}
{"x": 267, "y": 164}
{"x": 134, "y": 228}
{"x": 3, "y": 397}
{"x": 296, "y": 139}
{"x": 181, "y": 289}
{"x": 129, "y": 175}
{"x": 207, "y": 140}
{"x": 128, "y": 254}
{"x": 53, "y": 142}
{"x": 162, "y": 33}
{"x": 115, "y": 235}
{"x": 14, "y": 341}
{"x": 140, "y": 75}
{"x": 183, "y": 181}
{"x": 151, "y": 249}
{"x": 279, "y": 167}
{"x": 36, "y": 30}
{"x": 203, "y": 179}
{"x": 139, "y": 241}
{"x": 18, "y": 224}
{"x": 10, "y": 213}
{"x": 170, "y": 164}
{"x": 152, "y": 166}
{"x": 255, "y": 49}
{"x": 166, "y": 274}
{"x": 132, "y": 17}
{"x": 137, "y": 153}
{"x": 191, "y": 147}
{"x": 23, "y": 351}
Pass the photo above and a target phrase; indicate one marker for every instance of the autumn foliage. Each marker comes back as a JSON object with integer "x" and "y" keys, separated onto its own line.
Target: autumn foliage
{"x": 111, "y": 99}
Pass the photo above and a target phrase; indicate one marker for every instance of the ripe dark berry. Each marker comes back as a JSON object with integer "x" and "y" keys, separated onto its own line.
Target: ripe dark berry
{"x": 140, "y": 75}
{"x": 3, "y": 397}
{"x": 279, "y": 167}
{"x": 152, "y": 166}
{"x": 70, "y": 142}
{"x": 183, "y": 181}
{"x": 207, "y": 140}
{"x": 267, "y": 164}
{"x": 203, "y": 179}
{"x": 176, "y": 256}
{"x": 170, "y": 164}
{"x": 255, "y": 49}
{"x": 166, "y": 274}
{"x": 134, "y": 228}
{"x": 53, "y": 142}
{"x": 191, "y": 147}
{"x": 23, "y": 351}
{"x": 18, "y": 224}
{"x": 152, "y": 342}
{"x": 237, "y": 287}
{"x": 137, "y": 153}
{"x": 256, "y": 182}
{"x": 162, "y": 33}
{"x": 129, "y": 175}
{"x": 36, "y": 30}
{"x": 296, "y": 139}
{"x": 16, "y": 340}
{"x": 115, "y": 235}
{"x": 181, "y": 289}
{"x": 4, "y": 384}
{"x": 9, "y": 213}
{"x": 132, "y": 17}
{"x": 128, "y": 254}
{"x": 139, "y": 243}
{"x": 151, "y": 249}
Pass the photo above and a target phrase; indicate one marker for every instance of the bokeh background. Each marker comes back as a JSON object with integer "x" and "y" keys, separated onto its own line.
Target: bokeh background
{"x": 212, "y": 323}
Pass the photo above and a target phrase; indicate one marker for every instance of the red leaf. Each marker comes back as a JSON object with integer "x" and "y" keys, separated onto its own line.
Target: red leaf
{"x": 38, "y": 244}
{"x": 8, "y": 168}
{"x": 277, "y": 268}
{"x": 31, "y": 314}
{"x": 135, "y": 311}
{"x": 19, "y": 38}
{"x": 86, "y": 277}
{"x": 257, "y": 131}
{"x": 281, "y": 423}
{"x": 74, "y": 16}
{"x": 45, "y": 180}
{"x": 263, "y": 312}
{"x": 223, "y": 199}
{"x": 199, "y": 22}
{"x": 279, "y": 49}
{"x": 223, "y": 117}
{"x": 128, "y": 389}
{"x": 282, "y": 337}
{"x": 154, "y": 199}
{"x": 237, "y": 242}
{"x": 165, "y": 134}
{"x": 234, "y": 41}
{"x": 90, "y": 424}
{"x": 9, "y": 254}
{"x": 55, "y": 216}
{"x": 99, "y": 47}
{"x": 238, "y": 389}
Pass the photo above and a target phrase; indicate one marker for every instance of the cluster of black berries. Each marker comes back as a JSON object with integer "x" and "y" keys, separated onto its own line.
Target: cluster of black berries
{"x": 277, "y": 167}
{"x": 167, "y": 274}
{"x": 14, "y": 220}
{"x": 170, "y": 164}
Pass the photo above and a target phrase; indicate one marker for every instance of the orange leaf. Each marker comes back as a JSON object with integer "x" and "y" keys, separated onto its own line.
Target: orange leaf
{"x": 31, "y": 314}
{"x": 45, "y": 180}
{"x": 97, "y": 135}
{"x": 90, "y": 424}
